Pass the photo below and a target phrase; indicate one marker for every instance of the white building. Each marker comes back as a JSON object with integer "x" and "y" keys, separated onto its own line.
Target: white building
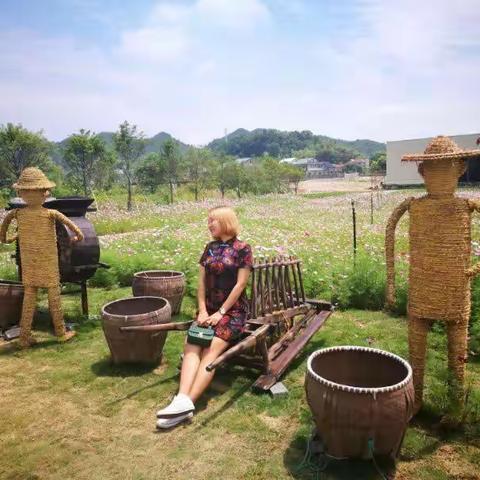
{"x": 405, "y": 173}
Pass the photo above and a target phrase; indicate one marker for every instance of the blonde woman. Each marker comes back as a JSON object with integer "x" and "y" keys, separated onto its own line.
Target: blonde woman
{"x": 222, "y": 304}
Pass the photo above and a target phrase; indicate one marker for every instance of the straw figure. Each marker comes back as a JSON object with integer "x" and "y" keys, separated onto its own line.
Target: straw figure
{"x": 440, "y": 268}
{"x": 38, "y": 251}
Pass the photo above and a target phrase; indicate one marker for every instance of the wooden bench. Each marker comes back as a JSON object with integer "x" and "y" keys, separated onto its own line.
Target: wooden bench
{"x": 280, "y": 324}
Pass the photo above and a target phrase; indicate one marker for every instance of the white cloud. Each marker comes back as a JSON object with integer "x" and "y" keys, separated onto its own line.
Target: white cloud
{"x": 154, "y": 44}
{"x": 235, "y": 14}
{"x": 389, "y": 71}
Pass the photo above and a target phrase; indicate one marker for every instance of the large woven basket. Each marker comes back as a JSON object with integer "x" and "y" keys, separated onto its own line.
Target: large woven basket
{"x": 11, "y": 300}
{"x": 135, "y": 347}
{"x": 361, "y": 400}
{"x": 167, "y": 284}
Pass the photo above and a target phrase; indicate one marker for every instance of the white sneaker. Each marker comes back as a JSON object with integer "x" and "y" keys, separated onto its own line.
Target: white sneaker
{"x": 181, "y": 404}
{"x": 172, "y": 422}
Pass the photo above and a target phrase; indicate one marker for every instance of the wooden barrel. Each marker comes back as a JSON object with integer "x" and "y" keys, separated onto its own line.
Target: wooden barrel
{"x": 361, "y": 400}
{"x": 135, "y": 347}
{"x": 11, "y": 301}
{"x": 161, "y": 283}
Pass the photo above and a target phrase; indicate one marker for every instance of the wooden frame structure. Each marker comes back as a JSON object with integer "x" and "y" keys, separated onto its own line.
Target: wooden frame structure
{"x": 280, "y": 324}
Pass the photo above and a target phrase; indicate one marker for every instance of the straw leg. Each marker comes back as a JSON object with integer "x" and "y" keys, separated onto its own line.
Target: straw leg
{"x": 55, "y": 307}
{"x": 417, "y": 343}
{"x": 28, "y": 310}
{"x": 457, "y": 357}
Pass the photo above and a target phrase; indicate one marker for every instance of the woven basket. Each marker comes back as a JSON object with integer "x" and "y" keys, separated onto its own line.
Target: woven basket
{"x": 161, "y": 283}
{"x": 361, "y": 400}
{"x": 135, "y": 347}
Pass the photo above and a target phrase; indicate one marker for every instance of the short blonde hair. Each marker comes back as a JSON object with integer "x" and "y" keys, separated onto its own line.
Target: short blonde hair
{"x": 227, "y": 219}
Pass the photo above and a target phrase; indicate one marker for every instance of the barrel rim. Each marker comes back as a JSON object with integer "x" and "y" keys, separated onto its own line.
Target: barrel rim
{"x": 114, "y": 315}
{"x": 142, "y": 275}
{"x": 350, "y": 388}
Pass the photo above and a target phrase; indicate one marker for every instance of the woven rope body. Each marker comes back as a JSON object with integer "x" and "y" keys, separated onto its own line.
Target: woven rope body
{"x": 38, "y": 247}
{"x": 439, "y": 288}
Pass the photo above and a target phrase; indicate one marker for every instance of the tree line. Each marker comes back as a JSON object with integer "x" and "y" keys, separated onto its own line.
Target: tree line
{"x": 302, "y": 144}
{"x": 87, "y": 163}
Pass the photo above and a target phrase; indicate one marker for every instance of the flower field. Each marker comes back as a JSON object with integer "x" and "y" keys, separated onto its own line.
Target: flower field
{"x": 81, "y": 417}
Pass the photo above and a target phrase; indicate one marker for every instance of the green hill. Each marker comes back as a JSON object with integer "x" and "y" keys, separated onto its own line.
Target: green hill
{"x": 261, "y": 141}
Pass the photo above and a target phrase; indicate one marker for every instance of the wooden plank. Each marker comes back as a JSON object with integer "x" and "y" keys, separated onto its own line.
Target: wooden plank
{"x": 283, "y": 342}
{"x": 281, "y": 274}
{"x": 278, "y": 315}
{"x": 261, "y": 290}
{"x": 158, "y": 327}
{"x": 241, "y": 346}
{"x": 289, "y": 285}
{"x": 280, "y": 364}
{"x": 299, "y": 270}
{"x": 294, "y": 273}
{"x": 253, "y": 309}
{"x": 275, "y": 285}
{"x": 269, "y": 290}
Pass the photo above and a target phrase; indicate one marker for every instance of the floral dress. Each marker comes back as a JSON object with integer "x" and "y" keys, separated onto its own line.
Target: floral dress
{"x": 222, "y": 261}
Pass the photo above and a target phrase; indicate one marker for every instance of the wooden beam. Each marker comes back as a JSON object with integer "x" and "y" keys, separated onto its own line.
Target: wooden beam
{"x": 158, "y": 327}
{"x": 240, "y": 347}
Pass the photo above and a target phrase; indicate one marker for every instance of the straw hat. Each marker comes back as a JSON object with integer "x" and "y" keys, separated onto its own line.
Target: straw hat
{"x": 441, "y": 148}
{"x": 33, "y": 178}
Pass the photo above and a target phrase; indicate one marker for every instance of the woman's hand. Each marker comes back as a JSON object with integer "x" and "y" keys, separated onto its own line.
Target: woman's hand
{"x": 202, "y": 318}
{"x": 214, "y": 319}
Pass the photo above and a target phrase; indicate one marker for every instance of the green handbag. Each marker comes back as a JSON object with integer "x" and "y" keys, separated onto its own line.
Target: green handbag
{"x": 200, "y": 335}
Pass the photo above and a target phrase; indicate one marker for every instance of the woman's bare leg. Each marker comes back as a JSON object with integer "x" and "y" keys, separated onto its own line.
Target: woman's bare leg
{"x": 203, "y": 377}
{"x": 190, "y": 364}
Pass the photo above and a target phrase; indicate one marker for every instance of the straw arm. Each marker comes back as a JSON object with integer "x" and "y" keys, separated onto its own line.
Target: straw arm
{"x": 6, "y": 223}
{"x": 474, "y": 205}
{"x": 390, "y": 247}
{"x": 60, "y": 217}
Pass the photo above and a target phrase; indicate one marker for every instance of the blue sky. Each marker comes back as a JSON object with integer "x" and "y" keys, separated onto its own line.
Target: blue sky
{"x": 378, "y": 69}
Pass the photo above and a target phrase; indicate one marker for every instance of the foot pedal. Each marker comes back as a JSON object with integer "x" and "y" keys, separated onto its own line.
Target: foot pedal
{"x": 278, "y": 389}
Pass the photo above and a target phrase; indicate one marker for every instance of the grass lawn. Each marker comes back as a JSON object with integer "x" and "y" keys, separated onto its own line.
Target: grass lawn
{"x": 66, "y": 412}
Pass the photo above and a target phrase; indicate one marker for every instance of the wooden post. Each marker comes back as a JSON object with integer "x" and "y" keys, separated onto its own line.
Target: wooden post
{"x": 261, "y": 289}
{"x": 371, "y": 207}
{"x": 253, "y": 303}
{"x": 288, "y": 284}
{"x": 269, "y": 290}
{"x": 354, "y": 221}
{"x": 281, "y": 274}
{"x": 300, "y": 280}
{"x": 84, "y": 298}
{"x": 294, "y": 266}
{"x": 275, "y": 283}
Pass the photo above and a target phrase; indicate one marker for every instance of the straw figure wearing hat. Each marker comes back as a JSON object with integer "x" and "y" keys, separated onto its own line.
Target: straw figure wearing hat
{"x": 440, "y": 268}
{"x": 38, "y": 250}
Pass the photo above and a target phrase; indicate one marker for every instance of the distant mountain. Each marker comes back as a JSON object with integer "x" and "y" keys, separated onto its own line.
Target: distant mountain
{"x": 153, "y": 144}
{"x": 245, "y": 143}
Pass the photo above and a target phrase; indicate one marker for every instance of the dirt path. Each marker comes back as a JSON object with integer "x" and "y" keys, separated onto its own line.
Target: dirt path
{"x": 360, "y": 184}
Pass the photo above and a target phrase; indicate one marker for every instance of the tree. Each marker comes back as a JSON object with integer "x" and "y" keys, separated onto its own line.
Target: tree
{"x": 234, "y": 176}
{"x": 20, "y": 148}
{"x": 222, "y": 174}
{"x": 129, "y": 145}
{"x": 151, "y": 172}
{"x": 293, "y": 175}
{"x": 85, "y": 155}
{"x": 170, "y": 155}
{"x": 378, "y": 162}
{"x": 199, "y": 164}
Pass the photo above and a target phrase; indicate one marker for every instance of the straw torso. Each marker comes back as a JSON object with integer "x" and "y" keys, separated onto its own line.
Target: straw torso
{"x": 38, "y": 247}
{"x": 439, "y": 257}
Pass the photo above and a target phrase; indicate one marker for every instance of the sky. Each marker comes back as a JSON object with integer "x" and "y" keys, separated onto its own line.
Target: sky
{"x": 352, "y": 69}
